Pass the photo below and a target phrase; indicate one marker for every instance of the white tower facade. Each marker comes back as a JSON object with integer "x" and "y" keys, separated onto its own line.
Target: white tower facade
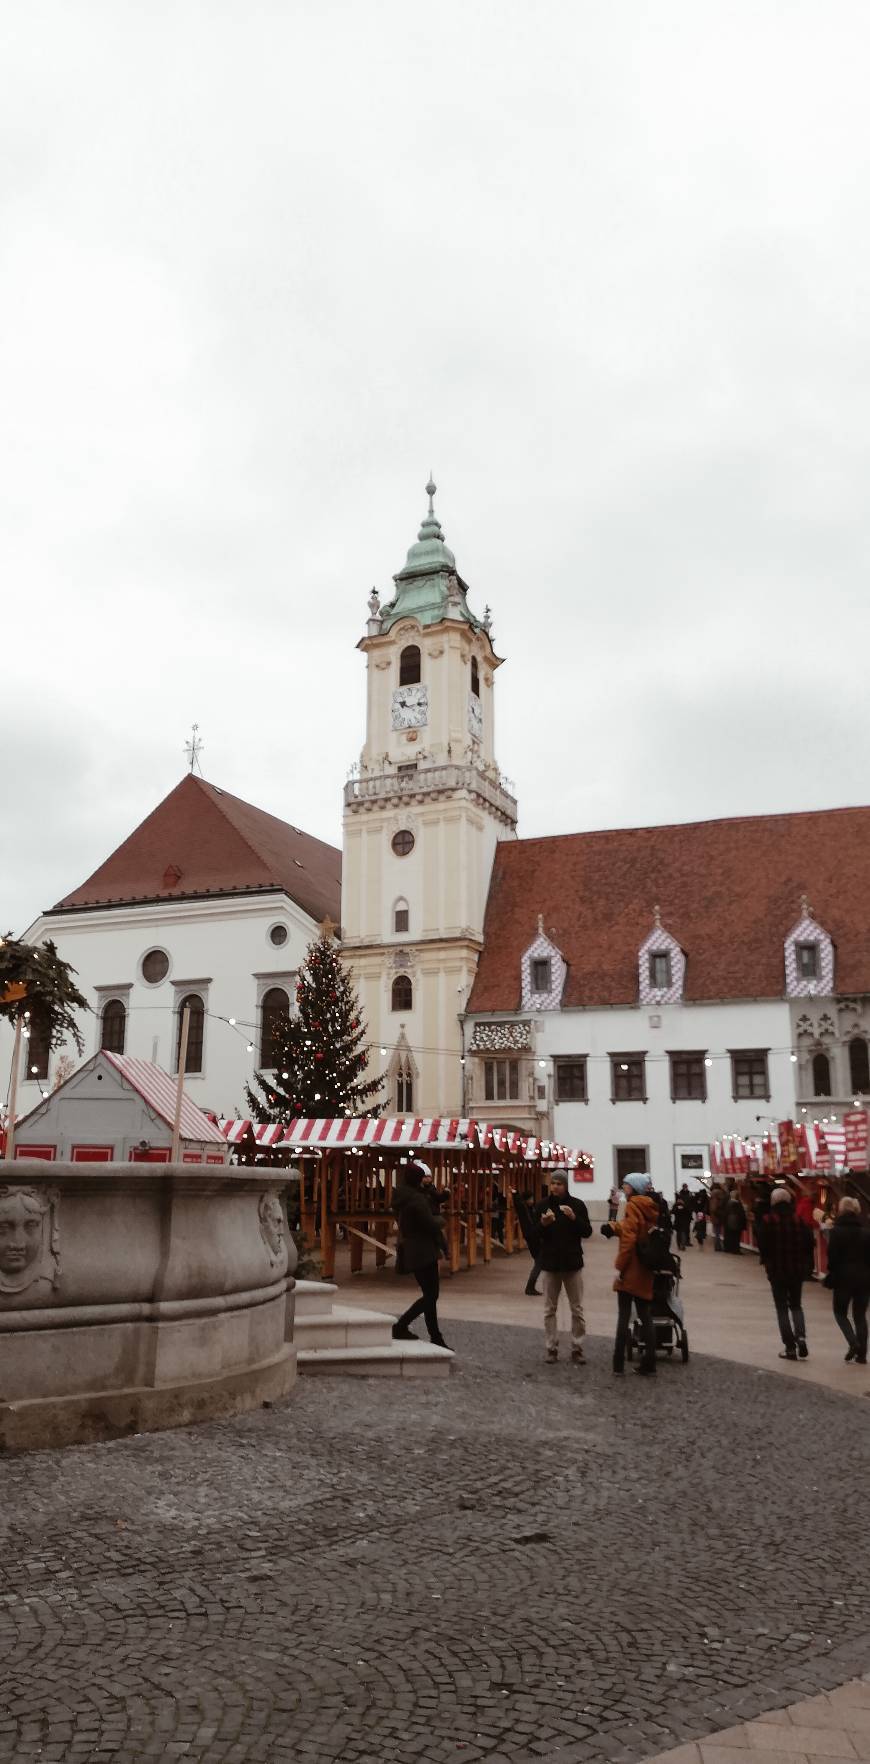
{"x": 422, "y": 818}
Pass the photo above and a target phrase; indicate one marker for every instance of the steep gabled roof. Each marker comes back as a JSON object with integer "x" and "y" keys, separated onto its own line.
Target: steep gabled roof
{"x": 729, "y": 892}
{"x": 202, "y": 841}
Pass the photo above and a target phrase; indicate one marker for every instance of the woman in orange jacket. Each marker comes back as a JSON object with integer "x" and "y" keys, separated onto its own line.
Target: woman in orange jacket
{"x": 634, "y": 1283}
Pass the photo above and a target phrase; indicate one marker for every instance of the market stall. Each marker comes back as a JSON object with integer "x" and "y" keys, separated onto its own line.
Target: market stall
{"x": 348, "y": 1168}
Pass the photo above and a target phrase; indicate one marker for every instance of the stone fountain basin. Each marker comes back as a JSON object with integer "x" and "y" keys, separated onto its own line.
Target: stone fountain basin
{"x": 139, "y": 1296}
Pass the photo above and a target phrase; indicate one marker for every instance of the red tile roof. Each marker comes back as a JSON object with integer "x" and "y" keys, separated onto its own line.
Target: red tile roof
{"x": 729, "y": 892}
{"x": 202, "y": 841}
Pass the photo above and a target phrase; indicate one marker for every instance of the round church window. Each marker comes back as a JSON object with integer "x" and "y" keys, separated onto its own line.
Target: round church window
{"x": 278, "y": 935}
{"x": 403, "y": 842}
{"x": 155, "y": 966}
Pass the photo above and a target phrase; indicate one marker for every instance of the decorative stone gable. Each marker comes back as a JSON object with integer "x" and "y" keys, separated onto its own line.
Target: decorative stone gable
{"x": 808, "y": 932}
{"x": 660, "y": 943}
{"x": 535, "y": 998}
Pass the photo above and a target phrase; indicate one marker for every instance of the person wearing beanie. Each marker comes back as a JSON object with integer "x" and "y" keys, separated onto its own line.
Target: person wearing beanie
{"x": 421, "y": 1243}
{"x": 634, "y": 1283}
{"x": 849, "y": 1275}
{"x": 785, "y": 1246}
{"x": 563, "y": 1222}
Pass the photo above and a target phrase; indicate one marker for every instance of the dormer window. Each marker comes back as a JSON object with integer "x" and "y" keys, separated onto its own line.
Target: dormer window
{"x": 542, "y": 974}
{"x": 659, "y": 970}
{"x": 409, "y": 665}
{"x": 807, "y": 960}
{"x": 475, "y": 677}
{"x": 809, "y": 957}
{"x": 661, "y": 966}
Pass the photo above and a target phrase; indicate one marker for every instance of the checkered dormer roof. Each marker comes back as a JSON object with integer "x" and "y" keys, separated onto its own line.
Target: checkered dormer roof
{"x": 543, "y": 948}
{"x": 808, "y": 931}
{"x": 661, "y": 942}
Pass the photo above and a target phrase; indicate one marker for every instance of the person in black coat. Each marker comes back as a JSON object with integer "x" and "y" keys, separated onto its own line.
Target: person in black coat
{"x": 421, "y": 1244}
{"x": 849, "y": 1275}
{"x": 563, "y": 1223}
{"x": 786, "y": 1248}
{"x": 733, "y": 1221}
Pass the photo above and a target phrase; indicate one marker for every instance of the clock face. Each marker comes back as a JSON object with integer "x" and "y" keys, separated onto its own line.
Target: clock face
{"x": 410, "y": 707}
{"x": 475, "y": 716}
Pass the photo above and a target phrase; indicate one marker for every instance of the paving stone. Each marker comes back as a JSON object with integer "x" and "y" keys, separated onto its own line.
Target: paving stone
{"x": 510, "y": 1567}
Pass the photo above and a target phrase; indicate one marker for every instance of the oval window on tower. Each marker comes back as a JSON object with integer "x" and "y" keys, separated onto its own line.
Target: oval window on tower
{"x": 403, "y": 842}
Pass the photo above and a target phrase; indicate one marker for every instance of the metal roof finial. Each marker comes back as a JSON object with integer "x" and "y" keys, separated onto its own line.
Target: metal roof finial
{"x": 806, "y": 909}
{"x": 657, "y": 915}
{"x": 431, "y": 488}
{"x": 540, "y": 924}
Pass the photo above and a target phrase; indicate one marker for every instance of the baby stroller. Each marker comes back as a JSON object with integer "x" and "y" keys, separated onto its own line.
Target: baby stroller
{"x": 669, "y": 1320}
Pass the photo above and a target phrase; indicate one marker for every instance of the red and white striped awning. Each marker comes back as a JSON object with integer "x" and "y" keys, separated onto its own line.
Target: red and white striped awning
{"x": 265, "y": 1132}
{"x": 399, "y": 1133}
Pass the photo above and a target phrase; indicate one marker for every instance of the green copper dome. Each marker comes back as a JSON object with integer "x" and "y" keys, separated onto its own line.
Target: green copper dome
{"x": 428, "y": 588}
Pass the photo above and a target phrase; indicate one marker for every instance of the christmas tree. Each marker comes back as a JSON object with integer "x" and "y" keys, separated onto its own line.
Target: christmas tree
{"x": 319, "y": 1053}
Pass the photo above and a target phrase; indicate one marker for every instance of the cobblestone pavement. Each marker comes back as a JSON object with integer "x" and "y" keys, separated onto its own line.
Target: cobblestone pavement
{"x": 520, "y": 1563}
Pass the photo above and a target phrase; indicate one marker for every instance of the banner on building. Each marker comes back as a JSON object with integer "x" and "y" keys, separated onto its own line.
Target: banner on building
{"x": 856, "y": 1125}
{"x": 788, "y": 1151}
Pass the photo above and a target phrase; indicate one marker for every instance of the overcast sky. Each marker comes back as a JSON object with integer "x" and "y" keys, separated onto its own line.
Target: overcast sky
{"x": 604, "y": 267}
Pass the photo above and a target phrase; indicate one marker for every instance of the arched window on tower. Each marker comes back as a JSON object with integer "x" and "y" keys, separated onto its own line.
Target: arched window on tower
{"x": 859, "y": 1065}
{"x": 274, "y": 1015}
{"x": 401, "y": 917}
{"x": 475, "y": 677}
{"x": 402, "y": 993}
{"x": 821, "y": 1075}
{"x": 409, "y": 665}
{"x": 195, "y": 1033}
{"x": 113, "y": 1028}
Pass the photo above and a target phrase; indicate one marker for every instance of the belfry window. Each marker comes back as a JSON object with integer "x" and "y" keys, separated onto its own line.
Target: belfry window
{"x": 475, "y": 677}
{"x": 409, "y": 665}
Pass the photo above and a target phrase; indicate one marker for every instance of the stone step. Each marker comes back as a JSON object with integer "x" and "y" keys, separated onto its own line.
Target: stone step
{"x": 314, "y": 1295}
{"x": 401, "y": 1359}
{"x": 343, "y": 1326}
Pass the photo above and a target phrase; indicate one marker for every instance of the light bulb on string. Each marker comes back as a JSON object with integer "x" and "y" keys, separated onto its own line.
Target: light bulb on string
{"x": 250, "y": 1047}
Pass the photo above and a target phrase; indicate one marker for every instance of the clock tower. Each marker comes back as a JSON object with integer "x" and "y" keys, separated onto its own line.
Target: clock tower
{"x": 423, "y": 812}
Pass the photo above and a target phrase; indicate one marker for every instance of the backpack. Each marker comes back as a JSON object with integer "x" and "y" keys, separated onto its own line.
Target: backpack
{"x": 653, "y": 1250}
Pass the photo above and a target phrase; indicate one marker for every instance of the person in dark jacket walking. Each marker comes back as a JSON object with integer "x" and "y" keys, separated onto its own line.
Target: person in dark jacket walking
{"x": 849, "y": 1275}
{"x": 421, "y": 1244}
{"x": 785, "y": 1246}
{"x": 733, "y": 1221}
{"x": 563, "y": 1223}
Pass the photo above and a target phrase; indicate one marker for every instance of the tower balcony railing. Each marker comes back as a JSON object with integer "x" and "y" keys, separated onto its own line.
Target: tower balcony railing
{"x": 392, "y": 785}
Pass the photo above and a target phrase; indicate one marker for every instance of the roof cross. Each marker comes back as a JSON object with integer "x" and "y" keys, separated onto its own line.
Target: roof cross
{"x": 193, "y": 748}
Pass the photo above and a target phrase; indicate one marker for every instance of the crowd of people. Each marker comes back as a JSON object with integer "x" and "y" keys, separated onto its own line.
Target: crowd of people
{"x": 644, "y": 1227}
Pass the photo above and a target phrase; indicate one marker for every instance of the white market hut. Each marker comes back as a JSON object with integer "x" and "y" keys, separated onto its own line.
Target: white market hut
{"x": 116, "y": 1109}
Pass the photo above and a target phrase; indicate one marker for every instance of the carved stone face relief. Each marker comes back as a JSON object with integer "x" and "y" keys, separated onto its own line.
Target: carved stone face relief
{"x": 28, "y": 1238}
{"x": 273, "y": 1229}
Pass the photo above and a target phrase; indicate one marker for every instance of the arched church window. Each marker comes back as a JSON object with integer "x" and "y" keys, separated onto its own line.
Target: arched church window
{"x": 195, "y": 1033}
{"x": 409, "y": 665}
{"x": 401, "y": 917}
{"x": 275, "y": 1013}
{"x": 475, "y": 677}
{"x": 37, "y": 1047}
{"x": 821, "y": 1075}
{"x": 404, "y": 1090}
{"x": 113, "y": 1028}
{"x": 402, "y": 993}
{"x": 859, "y": 1065}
